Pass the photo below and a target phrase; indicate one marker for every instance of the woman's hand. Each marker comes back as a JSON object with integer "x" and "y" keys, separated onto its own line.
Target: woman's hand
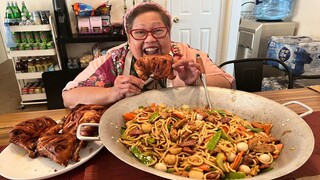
{"x": 188, "y": 71}
{"x": 126, "y": 86}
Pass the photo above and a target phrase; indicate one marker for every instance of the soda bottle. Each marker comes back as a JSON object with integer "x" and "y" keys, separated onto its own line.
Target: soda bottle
{"x": 24, "y": 10}
{"x": 9, "y": 14}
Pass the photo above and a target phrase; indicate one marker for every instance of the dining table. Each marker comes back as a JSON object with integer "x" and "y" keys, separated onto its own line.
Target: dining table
{"x": 104, "y": 165}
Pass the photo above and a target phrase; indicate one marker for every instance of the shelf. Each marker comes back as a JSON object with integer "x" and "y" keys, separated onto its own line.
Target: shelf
{"x": 83, "y": 38}
{"x": 25, "y": 28}
{"x": 45, "y": 52}
{"x": 35, "y": 75}
{"x": 33, "y": 97}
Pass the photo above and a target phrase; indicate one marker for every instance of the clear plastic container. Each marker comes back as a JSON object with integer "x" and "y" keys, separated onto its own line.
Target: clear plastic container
{"x": 272, "y": 10}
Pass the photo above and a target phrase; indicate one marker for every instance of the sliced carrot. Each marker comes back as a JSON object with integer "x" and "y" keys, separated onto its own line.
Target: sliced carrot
{"x": 237, "y": 160}
{"x": 204, "y": 167}
{"x": 279, "y": 147}
{"x": 243, "y": 133}
{"x": 257, "y": 125}
{"x": 153, "y": 105}
{"x": 250, "y": 133}
{"x": 207, "y": 139}
{"x": 129, "y": 116}
{"x": 267, "y": 128}
{"x": 178, "y": 115}
{"x": 225, "y": 129}
{"x": 242, "y": 128}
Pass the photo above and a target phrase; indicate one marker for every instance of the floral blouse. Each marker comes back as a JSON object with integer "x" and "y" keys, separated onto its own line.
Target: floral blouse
{"x": 103, "y": 71}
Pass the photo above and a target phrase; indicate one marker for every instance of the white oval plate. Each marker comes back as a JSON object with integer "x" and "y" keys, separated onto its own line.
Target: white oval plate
{"x": 16, "y": 164}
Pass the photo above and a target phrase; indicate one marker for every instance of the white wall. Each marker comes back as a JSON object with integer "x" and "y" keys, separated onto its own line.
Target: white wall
{"x": 307, "y": 16}
{"x": 3, "y": 55}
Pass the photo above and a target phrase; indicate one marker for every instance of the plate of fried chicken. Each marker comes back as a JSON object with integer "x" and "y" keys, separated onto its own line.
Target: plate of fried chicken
{"x": 42, "y": 147}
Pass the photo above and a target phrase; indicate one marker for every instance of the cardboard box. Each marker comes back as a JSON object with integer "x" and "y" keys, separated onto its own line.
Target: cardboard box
{"x": 84, "y": 25}
{"x": 96, "y": 24}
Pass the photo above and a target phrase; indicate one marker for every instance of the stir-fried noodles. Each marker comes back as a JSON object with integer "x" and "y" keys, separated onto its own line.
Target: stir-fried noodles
{"x": 199, "y": 142}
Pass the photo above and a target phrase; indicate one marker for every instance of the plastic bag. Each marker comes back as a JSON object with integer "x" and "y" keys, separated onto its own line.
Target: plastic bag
{"x": 82, "y": 9}
{"x": 103, "y": 9}
{"x": 10, "y": 42}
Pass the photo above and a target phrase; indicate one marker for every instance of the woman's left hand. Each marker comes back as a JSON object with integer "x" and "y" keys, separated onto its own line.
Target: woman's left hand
{"x": 188, "y": 71}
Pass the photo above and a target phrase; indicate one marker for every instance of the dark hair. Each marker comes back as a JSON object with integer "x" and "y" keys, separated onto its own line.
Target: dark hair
{"x": 143, "y": 8}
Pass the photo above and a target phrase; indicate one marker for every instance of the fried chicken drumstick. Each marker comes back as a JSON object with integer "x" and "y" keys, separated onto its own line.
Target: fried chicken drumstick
{"x": 158, "y": 65}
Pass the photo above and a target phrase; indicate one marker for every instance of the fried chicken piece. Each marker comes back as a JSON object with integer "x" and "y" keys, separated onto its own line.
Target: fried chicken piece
{"x": 158, "y": 65}
{"x": 58, "y": 147}
{"x": 26, "y": 133}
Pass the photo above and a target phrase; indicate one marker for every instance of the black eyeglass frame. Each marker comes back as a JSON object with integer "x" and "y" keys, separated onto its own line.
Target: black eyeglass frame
{"x": 147, "y": 33}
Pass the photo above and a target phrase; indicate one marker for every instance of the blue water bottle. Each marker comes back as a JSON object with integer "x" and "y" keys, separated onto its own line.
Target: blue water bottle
{"x": 272, "y": 10}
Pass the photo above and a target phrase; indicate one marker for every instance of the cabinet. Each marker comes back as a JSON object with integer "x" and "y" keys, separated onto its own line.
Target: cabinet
{"x": 25, "y": 78}
{"x": 76, "y": 38}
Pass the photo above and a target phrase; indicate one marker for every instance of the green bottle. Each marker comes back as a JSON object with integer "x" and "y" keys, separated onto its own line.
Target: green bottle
{"x": 24, "y": 10}
{"x": 9, "y": 14}
{"x": 16, "y": 13}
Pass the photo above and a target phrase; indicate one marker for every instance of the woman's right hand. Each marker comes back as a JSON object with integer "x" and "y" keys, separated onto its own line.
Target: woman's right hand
{"x": 127, "y": 85}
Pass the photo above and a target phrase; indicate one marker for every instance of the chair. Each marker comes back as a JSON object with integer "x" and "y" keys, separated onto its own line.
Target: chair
{"x": 54, "y": 82}
{"x": 249, "y": 73}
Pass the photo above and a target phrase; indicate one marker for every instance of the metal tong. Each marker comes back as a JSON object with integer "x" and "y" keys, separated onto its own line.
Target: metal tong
{"x": 203, "y": 79}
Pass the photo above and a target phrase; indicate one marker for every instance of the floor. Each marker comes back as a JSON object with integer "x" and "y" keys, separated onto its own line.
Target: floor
{"x": 9, "y": 92}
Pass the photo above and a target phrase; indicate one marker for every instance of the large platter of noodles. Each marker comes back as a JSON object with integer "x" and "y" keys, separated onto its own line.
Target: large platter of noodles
{"x": 172, "y": 133}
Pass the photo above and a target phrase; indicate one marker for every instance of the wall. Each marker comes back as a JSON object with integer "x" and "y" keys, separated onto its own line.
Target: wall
{"x": 3, "y": 55}
{"x": 307, "y": 17}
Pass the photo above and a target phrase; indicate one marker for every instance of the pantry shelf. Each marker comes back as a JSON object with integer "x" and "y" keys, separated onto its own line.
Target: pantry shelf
{"x": 34, "y": 97}
{"x": 28, "y": 28}
{"x": 22, "y": 53}
{"x": 30, "y": 63}
{"x": 35, "y": 75}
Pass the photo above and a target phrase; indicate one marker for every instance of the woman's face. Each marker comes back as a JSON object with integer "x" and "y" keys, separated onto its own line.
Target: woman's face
{"x": 148, "y": 21}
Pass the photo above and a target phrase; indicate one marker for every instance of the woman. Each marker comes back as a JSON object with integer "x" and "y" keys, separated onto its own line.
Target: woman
{"x": 112, "y": 77}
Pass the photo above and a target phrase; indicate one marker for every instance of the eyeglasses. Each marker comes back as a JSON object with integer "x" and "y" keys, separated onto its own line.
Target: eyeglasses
{"x": 142, "y": 34}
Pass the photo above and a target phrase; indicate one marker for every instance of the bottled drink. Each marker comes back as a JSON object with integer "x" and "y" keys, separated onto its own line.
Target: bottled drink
{"x": 19, "y": 66}
{"x": 39, "y": 65}
{"x": 16, "y": 13}
{"x": 25, "y": 11}
{"x": 43, "y": 17}
{"x": 31, "y": 65}
{"x": 9, "y": 14}
{"x": 36, "y": 17}
{"x": 266, "y": 84}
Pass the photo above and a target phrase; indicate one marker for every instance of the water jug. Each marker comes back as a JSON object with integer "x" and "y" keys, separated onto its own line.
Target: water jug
{"x": 272, "y": 10}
